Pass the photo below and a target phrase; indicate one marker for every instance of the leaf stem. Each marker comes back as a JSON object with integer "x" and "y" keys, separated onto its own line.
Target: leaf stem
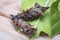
{"x": 47, "y": 3}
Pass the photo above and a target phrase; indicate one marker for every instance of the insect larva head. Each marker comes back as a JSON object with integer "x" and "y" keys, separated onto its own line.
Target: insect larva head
{"x": 43, "y": 9}
{"x": 14, "y": 19}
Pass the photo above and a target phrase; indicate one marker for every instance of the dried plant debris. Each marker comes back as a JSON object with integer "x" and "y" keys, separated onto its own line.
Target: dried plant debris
{"x": 34, "y": 12}
{"x": 25, "y": 27}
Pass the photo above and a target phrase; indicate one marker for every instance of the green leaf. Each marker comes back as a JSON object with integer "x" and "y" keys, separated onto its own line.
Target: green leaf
{"x": 43, "y": 25}
{"x": 29, "y": 3}
{"x": 54, "y": 7}
{"x": 50, "y": 22}
{"x": 55, "y": 18}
